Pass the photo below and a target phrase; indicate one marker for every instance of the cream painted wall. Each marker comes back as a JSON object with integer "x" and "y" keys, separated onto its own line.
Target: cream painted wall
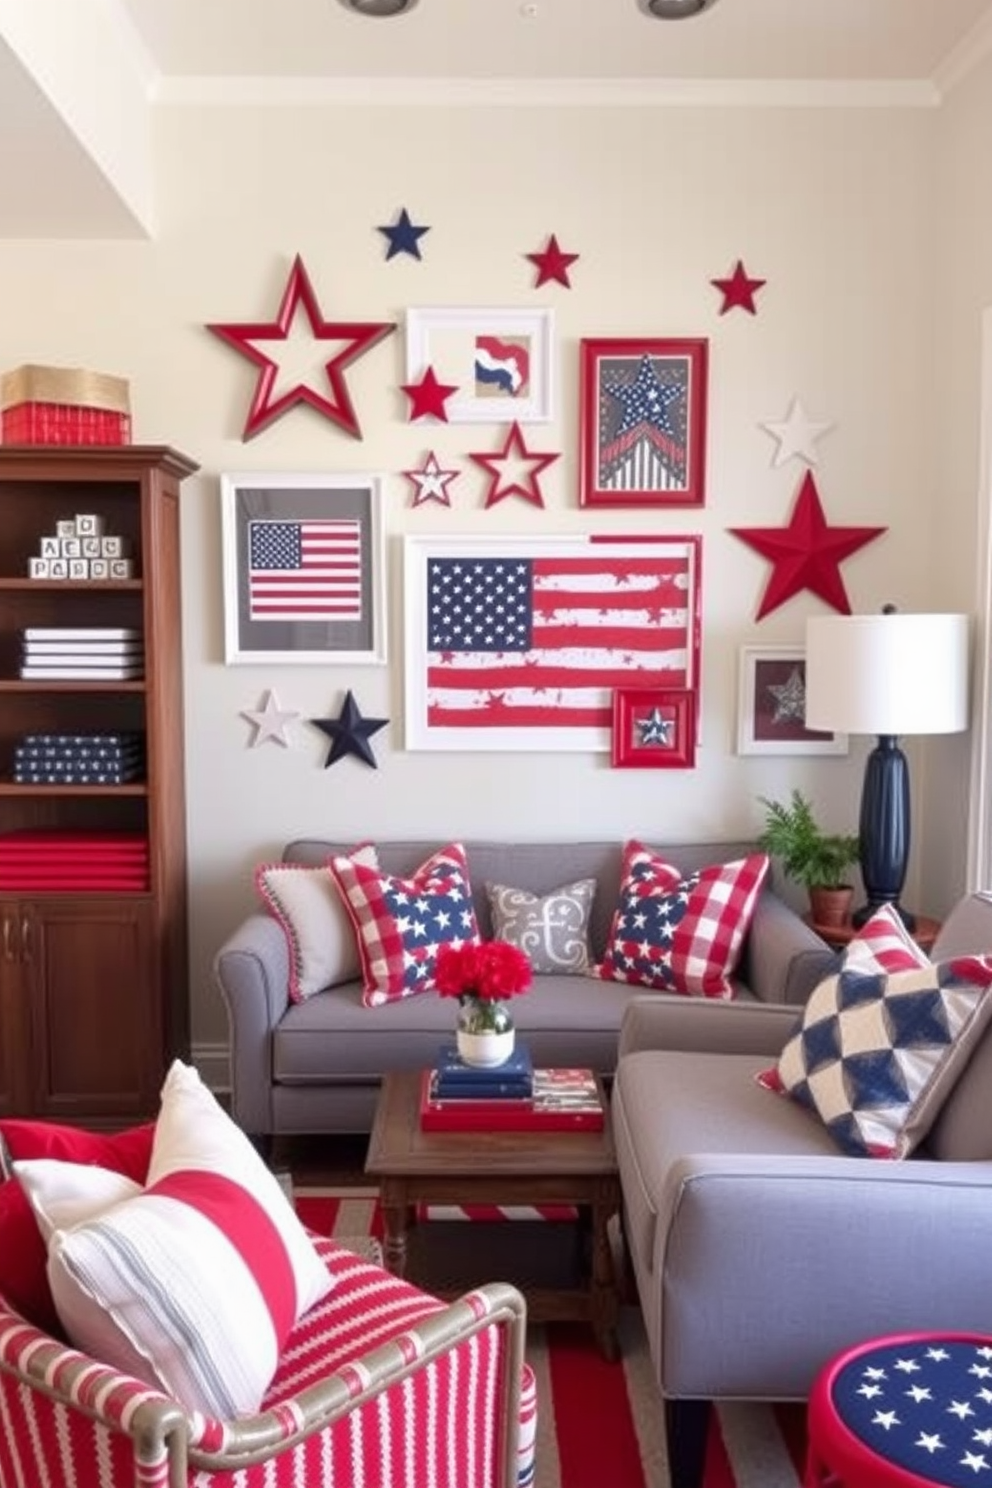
{"x": 962, "y": 206}
{"x": 834, "y": 208}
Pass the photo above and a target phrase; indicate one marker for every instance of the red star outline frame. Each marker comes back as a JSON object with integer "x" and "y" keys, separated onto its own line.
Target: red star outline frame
{"x": 360, "y": 336}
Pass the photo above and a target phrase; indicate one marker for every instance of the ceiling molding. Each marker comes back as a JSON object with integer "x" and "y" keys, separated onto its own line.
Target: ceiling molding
{"x": 965, "y": 57}
{"x": 405, "y": 92}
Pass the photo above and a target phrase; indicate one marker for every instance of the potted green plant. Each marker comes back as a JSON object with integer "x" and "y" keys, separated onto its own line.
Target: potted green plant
{"x": 816, "y": 859}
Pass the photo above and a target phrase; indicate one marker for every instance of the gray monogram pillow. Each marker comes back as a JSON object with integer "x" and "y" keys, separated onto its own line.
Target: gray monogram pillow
{"x": 553, "y": 931}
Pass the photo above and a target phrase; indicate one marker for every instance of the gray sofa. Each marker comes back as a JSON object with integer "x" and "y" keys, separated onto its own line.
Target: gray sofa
{"x": 315, "y": 1066}
{"x": 759, "y": 1250}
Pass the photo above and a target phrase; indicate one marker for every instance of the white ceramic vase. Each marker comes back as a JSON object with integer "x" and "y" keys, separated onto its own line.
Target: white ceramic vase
{"x": 485, "y": 1050}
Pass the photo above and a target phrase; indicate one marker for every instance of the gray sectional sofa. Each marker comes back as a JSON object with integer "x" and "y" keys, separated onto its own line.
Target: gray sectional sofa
{"x": 315, "y": 1066}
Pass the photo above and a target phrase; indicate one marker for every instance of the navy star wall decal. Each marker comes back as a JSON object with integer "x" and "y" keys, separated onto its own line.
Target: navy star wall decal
{"x": 353, "y": 337}
{"x": 403, "y": 236}
{"x": 350, "y": 733}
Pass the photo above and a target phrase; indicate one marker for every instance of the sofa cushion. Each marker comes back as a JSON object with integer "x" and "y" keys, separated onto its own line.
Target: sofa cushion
{"x": 681, "y": 934}
{"x": 552, "y": 930}
{"x": 23, "y": 1281}
{"x": 193, "y": 1282}
{"x": 876, "y": 1054}
{"x": 307, "y": 903}
{"x": 401, "y": 922}
{"x": 884, "y": 944}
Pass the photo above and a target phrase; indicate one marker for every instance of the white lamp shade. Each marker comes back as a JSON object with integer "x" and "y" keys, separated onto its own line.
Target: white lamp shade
{"x": 887, "y": 674}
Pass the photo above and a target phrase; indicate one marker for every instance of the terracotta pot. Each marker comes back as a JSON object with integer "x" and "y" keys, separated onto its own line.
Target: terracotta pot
{"x": 831, "y": 906}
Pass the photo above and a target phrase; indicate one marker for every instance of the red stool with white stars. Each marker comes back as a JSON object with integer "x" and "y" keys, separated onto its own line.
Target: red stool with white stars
{"x": 902, "y": 1412}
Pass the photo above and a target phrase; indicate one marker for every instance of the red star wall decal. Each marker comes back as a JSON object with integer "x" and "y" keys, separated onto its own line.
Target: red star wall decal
{"x": 807, "y": 553}
{"x": 428, "y": 397}
{"x": 357, "y": 337}
{"x": 514, "y": 452}
{"x": 552, "y": 264}
{"x": 739, "y": 290}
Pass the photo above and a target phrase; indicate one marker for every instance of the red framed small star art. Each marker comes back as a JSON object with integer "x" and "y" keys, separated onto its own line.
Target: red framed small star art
{"x": 653, "y": 728}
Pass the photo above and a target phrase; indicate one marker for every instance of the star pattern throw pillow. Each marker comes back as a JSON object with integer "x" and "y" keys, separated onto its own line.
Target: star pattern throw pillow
{"x": 877, "y": 1053}
{"x": 402, "y": 922}
{"x": 680, "y": 934}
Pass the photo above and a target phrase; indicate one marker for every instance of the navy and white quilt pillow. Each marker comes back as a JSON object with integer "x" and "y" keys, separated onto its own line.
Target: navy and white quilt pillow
{"x": 680, "y": 934}
{"x": 877, "y": 1053}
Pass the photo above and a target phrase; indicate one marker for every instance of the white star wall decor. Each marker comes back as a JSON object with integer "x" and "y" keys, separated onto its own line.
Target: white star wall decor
{"x": 269, "y": 722}
{"x": 796, "y": 435}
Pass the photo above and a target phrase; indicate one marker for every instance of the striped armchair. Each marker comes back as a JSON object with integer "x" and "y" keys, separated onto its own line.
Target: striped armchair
{"x": 378, "y": 1386}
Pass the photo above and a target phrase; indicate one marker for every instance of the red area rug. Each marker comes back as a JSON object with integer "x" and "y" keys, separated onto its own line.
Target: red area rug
{"x": 601, "y": 1425}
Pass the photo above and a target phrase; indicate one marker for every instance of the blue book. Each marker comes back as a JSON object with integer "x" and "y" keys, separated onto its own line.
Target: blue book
{"x": 490, "y": 1089}
{"x": 513, "y": 1078}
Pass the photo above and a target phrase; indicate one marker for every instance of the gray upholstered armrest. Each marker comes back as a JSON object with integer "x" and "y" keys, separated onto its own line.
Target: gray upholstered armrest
{"x": 906, "y": 1251}
{"x": 783, "y": 958}
{"x": 252, "y": 971}
{"x": 704, "y": 1025}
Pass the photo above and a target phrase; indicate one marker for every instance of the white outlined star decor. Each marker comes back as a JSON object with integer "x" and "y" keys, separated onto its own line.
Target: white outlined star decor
{"x": 356, "y": 337}
{"x": 430, "y": 482}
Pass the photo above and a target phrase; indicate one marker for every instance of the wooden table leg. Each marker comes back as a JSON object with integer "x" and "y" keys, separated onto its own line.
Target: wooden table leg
{"x": 605, "y": 1300}
{"x": 395, "y": 1217}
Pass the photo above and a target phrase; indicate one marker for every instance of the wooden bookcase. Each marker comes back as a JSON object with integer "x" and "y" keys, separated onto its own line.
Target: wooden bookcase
{"x": 94, "y": 996}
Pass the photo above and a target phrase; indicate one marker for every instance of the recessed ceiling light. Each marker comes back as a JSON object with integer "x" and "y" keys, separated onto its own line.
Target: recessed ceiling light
{"x": 674, "y": 10}
{"x": 379, "y": 7}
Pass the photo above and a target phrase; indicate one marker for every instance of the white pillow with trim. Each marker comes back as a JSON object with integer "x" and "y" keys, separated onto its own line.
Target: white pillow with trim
{"x": 306, "y": 900}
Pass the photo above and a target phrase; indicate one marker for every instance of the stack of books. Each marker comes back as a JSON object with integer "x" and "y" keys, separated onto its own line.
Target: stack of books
{"x": 84, "y": 653}
{"x": 456, "y": 1098}
{"x": 76, "y": 862}
{"x": 79, "y": 759}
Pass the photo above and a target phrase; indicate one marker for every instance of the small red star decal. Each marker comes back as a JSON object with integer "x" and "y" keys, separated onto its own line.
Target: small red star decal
{"x": 514, "y": 450}
{"x": 428, "y": 397}
{"x": 357, "y": 335}
{"x": 552, "y": 264}
{"x": 807, "y": 553}
{"x": 739, "y": 290}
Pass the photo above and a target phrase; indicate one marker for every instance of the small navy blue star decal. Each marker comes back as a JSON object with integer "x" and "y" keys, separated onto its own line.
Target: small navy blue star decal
{"x": 403, "y": 236}
{"x": 350, "y": 733}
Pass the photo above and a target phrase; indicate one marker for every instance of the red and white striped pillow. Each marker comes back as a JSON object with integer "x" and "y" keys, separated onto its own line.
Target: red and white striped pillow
{"x": 192, "y": 1283}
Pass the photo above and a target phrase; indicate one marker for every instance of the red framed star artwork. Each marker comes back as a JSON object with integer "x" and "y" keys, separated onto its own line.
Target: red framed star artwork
{"x": 654, "y": 728}
{"x": 642, "y": 421}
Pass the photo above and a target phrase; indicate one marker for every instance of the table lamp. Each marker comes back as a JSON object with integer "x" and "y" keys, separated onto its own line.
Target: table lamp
{"x": 886, "y": 674}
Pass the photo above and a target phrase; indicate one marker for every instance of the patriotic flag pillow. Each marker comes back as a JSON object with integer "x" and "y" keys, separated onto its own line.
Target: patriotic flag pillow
{"x": 401, "y": 923}
{"x": 877, "y": 1053}
{"x": 681, "y": 934}
{"x": 192, "y": 1282}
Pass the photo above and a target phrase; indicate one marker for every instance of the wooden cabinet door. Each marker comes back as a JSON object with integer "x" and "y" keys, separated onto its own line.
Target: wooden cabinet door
{"x": 91, "y": 986}
{"x": 15, "y": 1072}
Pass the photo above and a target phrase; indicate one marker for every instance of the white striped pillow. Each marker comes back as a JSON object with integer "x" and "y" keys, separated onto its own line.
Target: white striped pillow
{"x": 194, "y": 1282}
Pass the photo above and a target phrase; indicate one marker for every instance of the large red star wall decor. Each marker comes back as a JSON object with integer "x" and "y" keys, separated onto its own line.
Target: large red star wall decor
{"x": 520, "y": 476}
{"x": 355, "y": 336}
{"x": 739, "y": 290}
{"x": 807, "y": 553}
{"x": 552, "y": 263}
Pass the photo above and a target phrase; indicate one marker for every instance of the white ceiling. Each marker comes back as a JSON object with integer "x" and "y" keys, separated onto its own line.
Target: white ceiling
{"x": 883, "y": 51}
{"x": 837, "y": 39}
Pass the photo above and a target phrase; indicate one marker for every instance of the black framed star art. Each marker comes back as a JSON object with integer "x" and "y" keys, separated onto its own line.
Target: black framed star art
{"x": 654, "y": 728}
{"x": 642, "y": 413}
{"x": 771, "y": 716}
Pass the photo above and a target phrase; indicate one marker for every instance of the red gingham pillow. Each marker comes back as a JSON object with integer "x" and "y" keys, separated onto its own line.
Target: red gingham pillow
{"x": 401, "y": 922}
{"x": 681, "y": 934}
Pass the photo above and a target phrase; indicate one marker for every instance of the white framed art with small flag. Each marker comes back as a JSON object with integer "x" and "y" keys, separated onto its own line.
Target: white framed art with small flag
{"x": 304, "y": 568}
{"x": 518, "y": 643}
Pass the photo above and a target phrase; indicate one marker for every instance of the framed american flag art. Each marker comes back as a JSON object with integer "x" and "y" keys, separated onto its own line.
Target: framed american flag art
{"x": 642, "y": 419}
{"x": 304, "y": 569}
{"x": 518, "y": 643}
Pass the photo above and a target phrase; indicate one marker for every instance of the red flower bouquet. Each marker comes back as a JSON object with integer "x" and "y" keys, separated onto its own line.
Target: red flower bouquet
{"x": 482, "y": 977}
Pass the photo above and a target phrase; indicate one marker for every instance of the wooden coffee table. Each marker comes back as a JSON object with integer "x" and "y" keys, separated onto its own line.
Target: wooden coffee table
{"x": 574, "y": 1168}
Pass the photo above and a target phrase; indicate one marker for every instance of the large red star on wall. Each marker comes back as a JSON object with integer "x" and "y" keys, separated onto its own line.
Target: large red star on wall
{"x": 357, "y": 337}
{"x": 524, "y": 469}
{"x": 739, "y": 290}
{"x": 807, "y": 553}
